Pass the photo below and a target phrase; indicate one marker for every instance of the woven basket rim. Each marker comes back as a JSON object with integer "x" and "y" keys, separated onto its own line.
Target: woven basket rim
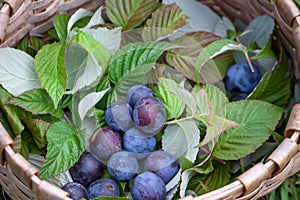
{"x": 249, "y": 185}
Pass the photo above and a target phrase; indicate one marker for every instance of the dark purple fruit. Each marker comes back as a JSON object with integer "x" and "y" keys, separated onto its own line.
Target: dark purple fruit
{"x": 76, "y": 191}
{"x": 103, "y": 187}
{"x": 149, "y": 115}
{"x": 105, "y": 142}
{"x": 162, "y": 164}
{"x": 122, "y": 166}
{"x": 118, "y": 116}
{"x": 137, "y": 92}
{"x": 148, "y": 186}
{"x": 87, "y": 169}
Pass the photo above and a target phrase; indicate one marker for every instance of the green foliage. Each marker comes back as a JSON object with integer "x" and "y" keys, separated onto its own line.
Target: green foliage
{"x": 53, "y": 96}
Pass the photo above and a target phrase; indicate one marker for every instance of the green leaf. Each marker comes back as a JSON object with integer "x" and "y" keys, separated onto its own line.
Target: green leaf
{"x": 38, "y": 128}
{"x": 60, "y": 24}
{"x": 216, "y": 96}
{"x": 50, "y": 66}
{"x": 38, "y": 102}
{"x": 95, "y": 48}
{"x": 65, "y": 145}
{"x": 274, "y": 86}
{"x": 89, "y": 101}
{"x": 30, "y": 45}
{"x": 131, "y": 78}
{"x": 218, "y": 178}
{"x": 11, "y": 113}
{"x": 109, "y": 38}
{"x": 129, "y": 14}
{"x": 164, "y": 21}
{"x": 185, "y": 59}
{"x": 79, "y": 14}
{"x": 17, "y": 74}
{"x": 173, "y": 105}
{"x": 133, "y": 56}
{"x": 256, "y": 119}
{"x": 259, "y": 31}
{"x": 217, "y": 48}
{"x": 181, "y": 139}
{"x": 96, "y": 18}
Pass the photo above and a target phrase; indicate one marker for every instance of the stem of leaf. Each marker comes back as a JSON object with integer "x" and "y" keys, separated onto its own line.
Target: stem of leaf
{"x": 247, "y": 56}
{"x": 67, "y": 119}
{"x": 208, "y": 153}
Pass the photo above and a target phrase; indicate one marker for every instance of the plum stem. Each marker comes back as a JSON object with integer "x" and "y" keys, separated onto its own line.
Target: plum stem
{"x": 247, "y": 57}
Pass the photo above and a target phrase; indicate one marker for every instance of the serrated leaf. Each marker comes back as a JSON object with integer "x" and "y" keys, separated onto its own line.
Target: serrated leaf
{"x": 218, "y": 178}
{"x": 223, "y": 27}
{"x": 258, "y": 31}
{"x": 135, "y": 55}
{"x": 59, "y": 180}
{"x": 11, "y": 113}
{"x": 96, "y": 18}
{"x": 181, "y": 139}
{"x": 109, "y": 38}
{"x": 201, "y": 17}
{"x": 194, "y": 44}
{"x": 79, "y": 14}
{"x": 134, "y": 77}
{"x": 217, "y": 48}
{"x": 38, "y": 102}
{"x": 38, "y": 128}
{"x": 164, "y": 21}
{"x": 174, "y": 106}
{"x": 65, "y": 145}
{"x": 274, "y": 86}
{"x": 86, "y": 41}
{"x": 17, "y": 74}
{"x": 60, "y": 24}
{"x": 75, "y": 59}
{"x": 256, "y": 119}
{"x": 88, "y": 102}
{"x": 50, "y": 66}
{"x": 88, "y": 74}
{"x": 129, "y": 14}
{"x": 216, "y": 97}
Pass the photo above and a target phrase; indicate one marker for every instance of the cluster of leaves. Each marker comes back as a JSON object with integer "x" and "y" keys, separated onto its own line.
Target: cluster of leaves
{"x": 54, "y": 96}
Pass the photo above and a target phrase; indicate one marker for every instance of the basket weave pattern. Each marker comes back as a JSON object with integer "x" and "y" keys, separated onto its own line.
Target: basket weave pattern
{"x": 21, "y": 17}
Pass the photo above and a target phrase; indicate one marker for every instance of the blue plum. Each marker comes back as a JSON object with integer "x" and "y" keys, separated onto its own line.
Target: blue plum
{"x": 87, "y": 169}
{"x": 137, "y": 142}
{"x": 162, "y": 164}
{"x": 149, "y": 115}
{"x": 240, "y": 78}
{"x": 118, "y": 116}
{"x": 76, "y": 190}
{"x": 148, "y": 186}
{"x": 137, "y": 92}
{"x": 122, "y": 166}
{"x": 104, "y": 143}
{"x": 103, "y": 187}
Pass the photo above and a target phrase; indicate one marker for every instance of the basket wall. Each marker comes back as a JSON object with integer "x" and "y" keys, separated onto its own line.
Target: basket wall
{"x": 20, "y": 17}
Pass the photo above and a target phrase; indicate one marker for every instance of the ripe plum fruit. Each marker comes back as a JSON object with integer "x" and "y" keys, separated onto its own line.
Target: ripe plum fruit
{"x": 103, "y": 187}
{"x": 87, "y": 169}
{"x": 104, "y": 143}
{"x": 239, "y": 78}
{"x": 137, "y": 92}
{"x": 148, "y": 186}
{"x": 118, "y": 116}
{"x": 162, "y": 164}
{"x": 137, "y": 142}
{"x": 76, "y": 190}
{"x": 149, "y": 115}
{"x": 122, "y": 166}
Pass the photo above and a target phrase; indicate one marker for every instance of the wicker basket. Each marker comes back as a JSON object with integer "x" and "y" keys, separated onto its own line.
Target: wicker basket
{"x": 20, "y": 17}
